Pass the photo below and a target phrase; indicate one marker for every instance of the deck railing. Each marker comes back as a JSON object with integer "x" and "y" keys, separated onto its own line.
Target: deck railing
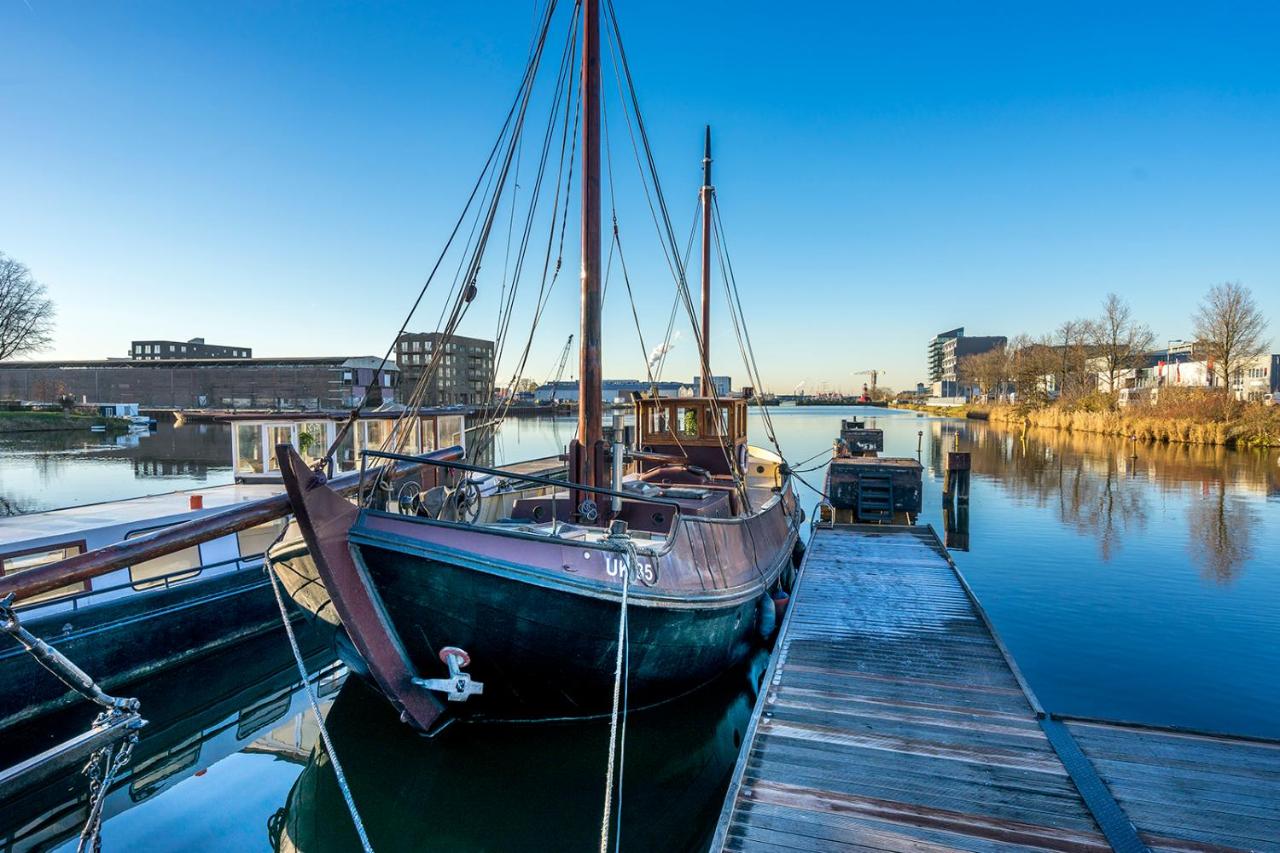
{"x": 514, "y": 476}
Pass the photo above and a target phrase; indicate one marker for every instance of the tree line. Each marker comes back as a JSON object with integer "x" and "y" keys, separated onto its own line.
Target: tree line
{"x": 1086, "y": 355}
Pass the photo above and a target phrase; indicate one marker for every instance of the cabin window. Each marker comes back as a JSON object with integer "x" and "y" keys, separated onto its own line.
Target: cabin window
{"x": 375, "y": 433}
{"x": 165, "y": 570}
{"x": 346, "y": 452}
{"x": 450, "y": 430}
{"x": 248, "y": 449}
{"x": 428, "y": 429}
{"x": 254, "y": 541}
{"x": 686, "y": 422}
{"x": 24, "y": 561}
{"x": 277, "y": 435}
{"x": 313, "y": 441}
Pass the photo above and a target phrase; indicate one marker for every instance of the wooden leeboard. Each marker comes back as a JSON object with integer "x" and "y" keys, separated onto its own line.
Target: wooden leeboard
{"x": 892, "y": 719}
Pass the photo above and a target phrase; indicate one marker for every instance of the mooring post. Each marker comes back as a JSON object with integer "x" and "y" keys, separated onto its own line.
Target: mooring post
{"x": 955, "y": 478}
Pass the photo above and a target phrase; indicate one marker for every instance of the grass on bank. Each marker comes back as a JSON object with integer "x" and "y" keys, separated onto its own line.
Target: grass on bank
{"x": 23, "y": 421}
{"x": 1184, "y": 415}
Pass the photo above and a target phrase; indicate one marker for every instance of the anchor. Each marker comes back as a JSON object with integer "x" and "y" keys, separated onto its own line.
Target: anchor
{"x": 458, "y": 686}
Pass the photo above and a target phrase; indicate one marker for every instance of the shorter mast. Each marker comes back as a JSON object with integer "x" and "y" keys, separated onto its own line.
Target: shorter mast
{"x": 706, "y": 193}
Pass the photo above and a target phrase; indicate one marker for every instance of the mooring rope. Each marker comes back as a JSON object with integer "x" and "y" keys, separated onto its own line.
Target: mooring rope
{"x": 311, "y": 697}
{"x": 619, "y": 715}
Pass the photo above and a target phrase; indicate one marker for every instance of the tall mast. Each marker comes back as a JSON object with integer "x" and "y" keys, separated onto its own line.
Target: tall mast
{"x": 706, "y": 192}
{"x": 590, "y": 457}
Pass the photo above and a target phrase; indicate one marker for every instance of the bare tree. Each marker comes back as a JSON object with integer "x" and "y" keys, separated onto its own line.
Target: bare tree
{"x": 1031, "y": 364}
{"x": 1071, "y": 343}
{"x": 1230, "y": 326}
{"x": 1118, "y": 340}
{"x": 988, "y": 370}
{"x": 26, "y": 313}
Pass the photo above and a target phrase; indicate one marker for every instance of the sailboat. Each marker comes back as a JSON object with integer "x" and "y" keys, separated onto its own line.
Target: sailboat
{"x": 507, "y": 600}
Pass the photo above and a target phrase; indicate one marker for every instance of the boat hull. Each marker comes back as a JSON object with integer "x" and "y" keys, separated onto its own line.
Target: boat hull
{"x": 550, "y": 648}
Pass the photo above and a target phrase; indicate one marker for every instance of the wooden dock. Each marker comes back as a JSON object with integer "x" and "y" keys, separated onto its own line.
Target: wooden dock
{"x": 892, "y": 718}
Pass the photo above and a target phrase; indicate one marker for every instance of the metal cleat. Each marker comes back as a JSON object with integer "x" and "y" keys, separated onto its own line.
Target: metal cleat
{"x": 458, "y": 686}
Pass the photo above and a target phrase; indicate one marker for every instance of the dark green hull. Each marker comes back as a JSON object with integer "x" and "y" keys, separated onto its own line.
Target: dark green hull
{"x": 550, "y": 649}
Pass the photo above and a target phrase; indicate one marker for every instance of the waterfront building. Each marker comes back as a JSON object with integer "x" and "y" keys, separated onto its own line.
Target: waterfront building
{"x": 194, "y": 348}
{"x": 612, "y": 390}
{"x": 723, "y": 385}
{"x": 944, "y": 354}
{"x": 227, "y": 383}
{"x": 463, "y": 374}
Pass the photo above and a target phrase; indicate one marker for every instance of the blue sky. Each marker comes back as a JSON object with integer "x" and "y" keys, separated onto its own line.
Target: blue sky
{"x": 282, "y": 175}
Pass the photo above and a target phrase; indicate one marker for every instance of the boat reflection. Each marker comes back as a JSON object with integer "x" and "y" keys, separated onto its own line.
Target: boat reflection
{"x": 519, "y": 787}
{"x": 246, "y": 699}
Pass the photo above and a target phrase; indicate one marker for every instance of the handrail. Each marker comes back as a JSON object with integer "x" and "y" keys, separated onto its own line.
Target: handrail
{"x": 178, "y": 536}
{"x": 532, "y": 478}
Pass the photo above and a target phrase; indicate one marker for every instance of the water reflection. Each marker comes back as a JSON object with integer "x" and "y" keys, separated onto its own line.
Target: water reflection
{"x": 1221, "y": 528}
{"x": 504, "y": 787}
{"x": 46, "y": 470}
{"x": 247, "y": 699}
{"x": 1107, "y": 488}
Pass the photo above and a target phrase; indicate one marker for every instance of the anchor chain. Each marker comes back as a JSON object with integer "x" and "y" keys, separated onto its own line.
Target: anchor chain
{"x": 114, "y": 759}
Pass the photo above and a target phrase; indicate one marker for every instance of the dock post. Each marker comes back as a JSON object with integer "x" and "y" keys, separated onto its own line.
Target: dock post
{"x": 955, "y": 478}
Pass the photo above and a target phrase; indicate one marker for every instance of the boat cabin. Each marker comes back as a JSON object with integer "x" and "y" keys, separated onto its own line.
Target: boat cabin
{"x": 703, "y": 431}
{"x": 254, "y": 438}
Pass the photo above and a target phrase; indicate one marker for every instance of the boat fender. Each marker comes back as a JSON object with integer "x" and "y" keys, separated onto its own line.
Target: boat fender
{"x": 797, "y": 553}
{"x": 768, "y": 618}
{"x": 780, "y": 602}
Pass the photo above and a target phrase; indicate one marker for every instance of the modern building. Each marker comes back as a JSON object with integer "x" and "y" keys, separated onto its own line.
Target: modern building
{"x": 194, "y": 348}
{"x": 463, "y": 374}
{"x": 945, "y": 352}
{"x": 229, "y": 383}
{"x": 723, "y": 384}
{"x": 610, "y": 390}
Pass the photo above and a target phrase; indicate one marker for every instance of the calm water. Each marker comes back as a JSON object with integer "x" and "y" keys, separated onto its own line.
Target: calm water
{"x": 1139, "y": 587}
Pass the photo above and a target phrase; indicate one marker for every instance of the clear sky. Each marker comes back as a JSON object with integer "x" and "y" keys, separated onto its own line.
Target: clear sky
{"x": 281, "y": 175}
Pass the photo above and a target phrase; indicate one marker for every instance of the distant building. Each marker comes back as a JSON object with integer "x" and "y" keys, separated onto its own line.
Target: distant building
{"x": 194, "y": 348}
{"x": 945, "y": 352}
{"x": 229, "y": 383}
{"x": 463, "y": 374}
{"x": 722, "y": 384}
{"x": 1185, "y": 364}
{"x": 610, "y": 390}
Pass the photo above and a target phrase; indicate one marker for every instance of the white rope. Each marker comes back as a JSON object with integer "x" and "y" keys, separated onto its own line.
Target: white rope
{"x": 315, "y": 705}
{"x": 619, "y": 710}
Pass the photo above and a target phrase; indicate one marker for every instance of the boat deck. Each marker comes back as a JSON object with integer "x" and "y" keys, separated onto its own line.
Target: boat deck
{"x": 893, "y": 719}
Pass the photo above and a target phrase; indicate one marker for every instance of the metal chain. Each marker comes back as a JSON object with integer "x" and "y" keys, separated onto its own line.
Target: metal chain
{"x": 100, "y": 783}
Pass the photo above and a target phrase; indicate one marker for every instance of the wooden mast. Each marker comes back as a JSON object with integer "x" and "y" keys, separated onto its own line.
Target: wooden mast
{"x": 706, "y": 265}
{"x": 589, "y": 467}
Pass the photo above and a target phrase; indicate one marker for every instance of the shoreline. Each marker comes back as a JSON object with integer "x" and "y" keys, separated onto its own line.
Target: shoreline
{"x": 1258, "y": 428}
{"x": 17, "y": 423}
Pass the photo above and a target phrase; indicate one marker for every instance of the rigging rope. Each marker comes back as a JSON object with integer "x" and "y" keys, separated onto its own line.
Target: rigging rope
{"x": 525, "y": 85}
{"x": 619, "y": 715}
{"x": 666, "y": 232}
{"x": 311, "y": 697}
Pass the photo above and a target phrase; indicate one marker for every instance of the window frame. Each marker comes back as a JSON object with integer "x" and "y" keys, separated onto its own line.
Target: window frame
{"x": 82, "y": 544}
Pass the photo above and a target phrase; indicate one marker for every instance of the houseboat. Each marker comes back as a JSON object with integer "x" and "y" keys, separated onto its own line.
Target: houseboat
{"x": 141, "y": 618}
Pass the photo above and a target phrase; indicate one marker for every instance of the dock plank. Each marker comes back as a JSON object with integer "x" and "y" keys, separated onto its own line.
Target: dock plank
{"x": 892, "y": 719}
